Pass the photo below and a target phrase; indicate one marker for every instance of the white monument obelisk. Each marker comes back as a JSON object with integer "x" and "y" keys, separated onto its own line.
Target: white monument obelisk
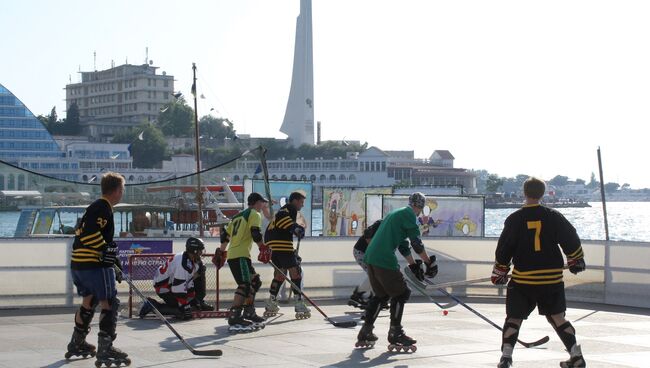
{"x": 298, "y": 121}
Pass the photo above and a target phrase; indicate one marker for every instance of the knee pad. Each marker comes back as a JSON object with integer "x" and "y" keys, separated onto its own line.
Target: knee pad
{"x": 511, "y": 339}
{"x": 86, "y": 316}
{"x": 256, "y": 283}
{"x": 403, "y": 297}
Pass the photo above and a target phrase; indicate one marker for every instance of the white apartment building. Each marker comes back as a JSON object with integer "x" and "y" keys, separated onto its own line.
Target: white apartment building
{"x": 118, "y": 98}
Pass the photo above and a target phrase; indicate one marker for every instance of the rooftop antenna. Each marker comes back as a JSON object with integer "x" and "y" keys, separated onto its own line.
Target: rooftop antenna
{"x": 112, "y": 63}
{"x": 146, "y": 57}
{"x": 70, "y": 78}
{"x": 95, "y": 60}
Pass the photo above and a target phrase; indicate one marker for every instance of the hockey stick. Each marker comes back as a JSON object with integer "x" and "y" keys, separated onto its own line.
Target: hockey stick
{"x": 421, "y": 291}
{"x": 431, "y": 285}
{"x": 541, "y": 341}
{"x": 214, "y": 352}
{"x": 345, "y": 324}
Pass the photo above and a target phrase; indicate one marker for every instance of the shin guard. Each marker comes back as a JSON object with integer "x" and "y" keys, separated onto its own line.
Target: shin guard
{"x": 509, "y": 339}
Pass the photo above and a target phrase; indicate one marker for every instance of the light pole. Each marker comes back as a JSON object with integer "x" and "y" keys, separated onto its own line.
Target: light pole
{"x": 197, "y": 153}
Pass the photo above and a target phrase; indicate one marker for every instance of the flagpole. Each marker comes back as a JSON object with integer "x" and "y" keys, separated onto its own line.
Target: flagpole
{"x": 197, "y": 153}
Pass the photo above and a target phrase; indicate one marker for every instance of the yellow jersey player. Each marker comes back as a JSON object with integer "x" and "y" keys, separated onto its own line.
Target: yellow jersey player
{"x": 238, "y": 236}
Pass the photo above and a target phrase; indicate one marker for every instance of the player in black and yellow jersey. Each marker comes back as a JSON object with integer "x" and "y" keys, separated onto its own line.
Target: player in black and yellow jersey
{"x": 94, "y": 255}
{"x": 279, "y": 236}
{"x": 534, "y": 238}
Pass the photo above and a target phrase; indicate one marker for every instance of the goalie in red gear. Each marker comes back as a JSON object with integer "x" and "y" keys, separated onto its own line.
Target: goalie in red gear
{"x": 530, "y": 239}
{"x": 238, "y": 236}
{"x": 175, "y": 281}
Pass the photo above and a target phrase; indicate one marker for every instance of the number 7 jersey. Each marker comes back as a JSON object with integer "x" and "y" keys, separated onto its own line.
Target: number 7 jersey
{"x": 533, "y": 238}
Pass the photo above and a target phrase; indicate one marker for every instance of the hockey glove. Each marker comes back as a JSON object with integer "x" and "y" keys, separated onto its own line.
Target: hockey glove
{"x": 432, "y": 267}
{"x": 500, "y": 274}
{"x": 219, "y": 258}
{"x": 299, "y": 231}
{"x": 109, "y": 255}
{"x": 185, "y": 312}
{"x": 576, "y": 265}
{"x": 416, "y": 269}
{"x": 265, "y": 254}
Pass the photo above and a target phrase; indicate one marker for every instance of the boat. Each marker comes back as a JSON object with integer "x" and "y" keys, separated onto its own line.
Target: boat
{"x": 131, "y": 220}
{"x": 220, "y": 198}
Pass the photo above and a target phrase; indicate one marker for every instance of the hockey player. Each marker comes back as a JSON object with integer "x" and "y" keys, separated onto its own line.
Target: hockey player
{"x": 279, "y": 236}
{"x": 94, "y": 256}
{"x": 530, "y": 239}
{"x": 241, "y": 232}
{"x": 359, "y": 251}
{"x": 174, "y": 282}
{"x": 385, "y": 277}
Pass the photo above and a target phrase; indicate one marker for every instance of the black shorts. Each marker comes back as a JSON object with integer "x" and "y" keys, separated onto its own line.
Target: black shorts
{"x": 242, "y": 270}
{"x": 521, "y": 300}
{"x": 385, "y": 282}
{"x": 284, "y": 260}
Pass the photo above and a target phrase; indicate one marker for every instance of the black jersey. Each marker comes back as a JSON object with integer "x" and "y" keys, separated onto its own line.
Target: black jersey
{"x": 530, "y": 238}
{"x": 279, "y": 233}
{"x": 94, "y": 233}
{"x": 363, "y": 241}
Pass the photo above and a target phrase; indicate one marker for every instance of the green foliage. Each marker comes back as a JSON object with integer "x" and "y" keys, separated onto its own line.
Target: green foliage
{"x": 213, "y": 131}
{"x": 559, "y": 180}
{"x": 150, "y": 151}
{"x": 611, "y": 187}
{"x": 177, "y": 119}
{"x": 493, "y": 183}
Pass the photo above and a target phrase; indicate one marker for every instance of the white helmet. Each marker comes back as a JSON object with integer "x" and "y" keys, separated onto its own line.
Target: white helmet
{"x": 417, "y": 199}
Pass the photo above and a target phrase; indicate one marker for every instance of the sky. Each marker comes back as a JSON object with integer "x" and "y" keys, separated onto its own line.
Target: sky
{"x": 511, "y": 87}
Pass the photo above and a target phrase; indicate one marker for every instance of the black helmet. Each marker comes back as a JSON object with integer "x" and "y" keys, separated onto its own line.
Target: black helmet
{"x": 194, "y": 245}
{"x": 417, "y": 199}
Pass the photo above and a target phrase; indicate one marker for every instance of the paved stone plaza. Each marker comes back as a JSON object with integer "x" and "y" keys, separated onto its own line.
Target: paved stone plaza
{"x": 610, "y": 337}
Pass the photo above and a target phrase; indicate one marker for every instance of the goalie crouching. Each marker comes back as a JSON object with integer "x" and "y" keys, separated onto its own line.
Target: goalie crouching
{"x": 180, "y": 283}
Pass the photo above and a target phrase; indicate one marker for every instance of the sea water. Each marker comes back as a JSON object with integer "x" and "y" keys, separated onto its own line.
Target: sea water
{"x": 627, "y": 221}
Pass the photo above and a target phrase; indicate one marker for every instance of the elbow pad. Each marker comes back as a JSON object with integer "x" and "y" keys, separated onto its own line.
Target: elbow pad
{"x": 256, "y": 234}
{"x": 417, "y": 245}
{"x": 224, "y": 236}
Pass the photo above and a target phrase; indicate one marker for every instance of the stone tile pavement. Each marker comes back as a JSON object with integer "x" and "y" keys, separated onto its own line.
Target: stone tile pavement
{"x": 610, "y": 337}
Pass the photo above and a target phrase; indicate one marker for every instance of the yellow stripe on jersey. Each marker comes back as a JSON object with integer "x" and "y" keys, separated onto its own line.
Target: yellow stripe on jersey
{"x": 577, "y": 254}
{"x": 86, "y": 250}
{"x": 534, "y": 272}
{"x": 90, "y": 236}
{"x": 538, "y": 277}
{"x": 96, "y": 260}
{"x": 284, "y": 223}
{"x": 550, "y": 282}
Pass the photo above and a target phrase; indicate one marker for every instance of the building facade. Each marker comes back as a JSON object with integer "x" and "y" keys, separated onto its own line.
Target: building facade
{"x": 119, "y": 98}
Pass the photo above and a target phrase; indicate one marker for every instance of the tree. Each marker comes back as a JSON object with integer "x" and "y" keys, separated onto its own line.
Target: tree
{"x": 559, "y": 180}
{"x": 580, "y": 181}
{"x": 71, "y": 126}
{"x": 611, "y": 187}
{"x": 52, "y": 119}
{"x": 177, "y": 119}
{"x": 493, "y": 183}
{"x": 213, "y": 131}
{"x": 148, "y": 152}
{"x": 625, "y": 186}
